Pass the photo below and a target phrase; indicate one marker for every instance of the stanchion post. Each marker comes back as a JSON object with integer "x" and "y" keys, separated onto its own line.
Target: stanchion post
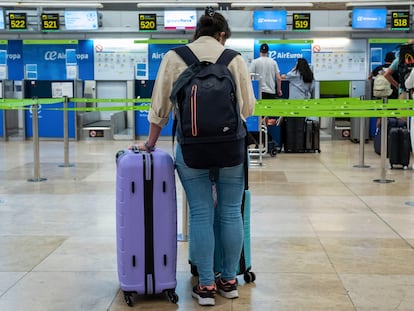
{"x": 183, "y": 237}
{"x": 384, "y": 134}
{"x": 361, "y": 141}
{"x": 36, "y": 157}
{"x": 65, "y": 133}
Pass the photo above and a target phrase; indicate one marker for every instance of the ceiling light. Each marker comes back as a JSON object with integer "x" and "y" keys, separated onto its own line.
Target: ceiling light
{"x": 175, "y": 5}
{"x": 53, "y": 4}
{"x": 271, "y": 4}
{"x": 8, "y": 3}
{"x": 378, "y": 3}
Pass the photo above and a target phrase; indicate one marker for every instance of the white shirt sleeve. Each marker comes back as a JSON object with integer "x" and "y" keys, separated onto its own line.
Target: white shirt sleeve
{"x": 409, "y": 82}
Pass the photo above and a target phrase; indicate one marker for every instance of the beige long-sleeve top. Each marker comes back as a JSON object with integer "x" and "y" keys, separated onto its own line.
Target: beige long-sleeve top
{"x": 205, "y": 48}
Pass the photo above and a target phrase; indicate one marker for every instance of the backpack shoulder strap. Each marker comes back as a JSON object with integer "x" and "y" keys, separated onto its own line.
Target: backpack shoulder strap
{"x": 226, "y": 57}
{"x": 186, "y": 54}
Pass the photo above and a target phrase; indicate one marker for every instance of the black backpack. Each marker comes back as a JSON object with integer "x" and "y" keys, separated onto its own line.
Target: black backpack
{"x": 406, "y": 63}
{"x": 207, "y": 122}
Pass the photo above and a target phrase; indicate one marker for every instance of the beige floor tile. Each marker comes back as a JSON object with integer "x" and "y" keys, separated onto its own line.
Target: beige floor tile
{"x": 65, "y": 291}
{"x": 289, "y": 255}
{"x": 23, "y": 253}
{"x": 370, "y": 255}
{"x": 8, "y": 279}
{"x": 380, "y": 292}
{"x": 82, "y": 254}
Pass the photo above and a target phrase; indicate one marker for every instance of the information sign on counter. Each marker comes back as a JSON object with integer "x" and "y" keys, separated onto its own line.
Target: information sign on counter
{"x": 400, "y": 20}
{"x": 301, "y": 21}
{"x": 17, "y": 21}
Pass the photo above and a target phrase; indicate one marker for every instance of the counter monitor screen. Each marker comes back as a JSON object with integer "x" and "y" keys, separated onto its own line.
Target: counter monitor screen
{"x": 186, "y": 19}
{"x": 373, "y": 18}
{"x": 81, "y": 20}
{"x": 1, "y": 19}
{"x": 269, "y": 20}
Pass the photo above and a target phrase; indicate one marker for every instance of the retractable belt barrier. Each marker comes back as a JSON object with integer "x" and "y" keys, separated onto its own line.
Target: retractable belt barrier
{"x": 324, "y": 107}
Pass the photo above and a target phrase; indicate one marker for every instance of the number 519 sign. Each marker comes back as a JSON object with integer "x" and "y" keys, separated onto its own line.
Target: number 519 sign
{"x": 301, "y": 21}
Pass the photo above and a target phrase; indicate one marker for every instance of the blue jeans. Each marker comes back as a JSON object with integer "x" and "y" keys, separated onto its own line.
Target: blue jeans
{"x": 202, "y": 215}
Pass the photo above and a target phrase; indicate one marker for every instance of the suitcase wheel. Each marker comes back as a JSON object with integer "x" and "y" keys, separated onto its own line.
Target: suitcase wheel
{"x": 249, "y": 276}
{"x": 128, "y": 299}
{"x": 273, "y": 152}
{"x": 172, "y": 296}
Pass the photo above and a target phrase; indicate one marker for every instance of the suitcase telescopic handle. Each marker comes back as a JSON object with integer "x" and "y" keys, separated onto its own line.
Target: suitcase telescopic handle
{"x": 135, "y": 148}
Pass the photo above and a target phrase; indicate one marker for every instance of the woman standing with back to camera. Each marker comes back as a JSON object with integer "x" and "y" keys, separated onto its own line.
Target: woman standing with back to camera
{"x": 301, "y": 81}
{"x": 210, "y": 36}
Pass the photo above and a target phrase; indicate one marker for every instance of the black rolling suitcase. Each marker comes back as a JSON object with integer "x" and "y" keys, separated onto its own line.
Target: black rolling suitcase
{"x": 399, "y": 146}
{"x": 294, "y": 134}
{"x": 312, "y": 136}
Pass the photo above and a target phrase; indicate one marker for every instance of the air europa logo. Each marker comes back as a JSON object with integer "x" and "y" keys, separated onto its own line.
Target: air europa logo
{"x": 54, "y": 55}
{"x": 14, "y": 56}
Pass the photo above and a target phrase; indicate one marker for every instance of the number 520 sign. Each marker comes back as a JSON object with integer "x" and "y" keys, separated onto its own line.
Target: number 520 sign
{"x": 147, "y": 22}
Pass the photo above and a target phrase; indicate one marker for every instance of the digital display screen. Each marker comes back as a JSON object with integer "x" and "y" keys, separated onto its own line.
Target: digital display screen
{"x": 301, "y": 21}
{"x": 375, "y": 18}
{"x": 81, "y": 20}
{"x": 1, "y": 19}
{"x": 3, "y": 57}
{"x": 50, "y": 21}
{"x": 400, "y": 20}
{"x": 269, "y": 20}
{"x": 17, "y": 21}
{"x": 147, "y": 22}
{"x": 186, "y": 19}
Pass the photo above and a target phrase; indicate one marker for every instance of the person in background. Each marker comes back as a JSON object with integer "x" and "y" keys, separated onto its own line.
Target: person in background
{"x": 209, "y": 38}
{"x": 389, "y": 58}
{"x": 269, "y": 74}
{"x": 382, "y": 69}
{"x": 301, "y": 80}
{"x": 391, "y": 74}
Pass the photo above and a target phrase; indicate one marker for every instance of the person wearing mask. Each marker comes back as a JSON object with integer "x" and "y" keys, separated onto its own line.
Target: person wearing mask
{"x": 209, "y": 38}
{"x": 269, "y": 74}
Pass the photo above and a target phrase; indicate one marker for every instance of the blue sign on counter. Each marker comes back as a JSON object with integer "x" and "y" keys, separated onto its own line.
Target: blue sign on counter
{"x": 142, "y": 124}
{"x": 1, "y": 123}
{"x": 50, "y": 121}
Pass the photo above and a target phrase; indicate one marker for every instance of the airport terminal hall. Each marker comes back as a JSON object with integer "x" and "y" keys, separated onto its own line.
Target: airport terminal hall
{"x": 229, "y": 156}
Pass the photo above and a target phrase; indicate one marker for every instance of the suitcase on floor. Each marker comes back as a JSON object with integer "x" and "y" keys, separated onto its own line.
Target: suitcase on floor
{"x": 146, "y": 224}
{"x": 274, "y": 138}
{"x": 294, "y": 134}
{"x": 312, "y": 136}
{"x": 245, "y": 265}
{"x": 399, "y": 146}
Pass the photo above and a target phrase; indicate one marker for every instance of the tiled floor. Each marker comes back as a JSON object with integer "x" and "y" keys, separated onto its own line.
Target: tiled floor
{"x": 325, "y": 236}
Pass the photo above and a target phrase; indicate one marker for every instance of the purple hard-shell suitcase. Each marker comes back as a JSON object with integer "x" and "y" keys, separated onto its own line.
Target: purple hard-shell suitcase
{"x": 146, "y": 223}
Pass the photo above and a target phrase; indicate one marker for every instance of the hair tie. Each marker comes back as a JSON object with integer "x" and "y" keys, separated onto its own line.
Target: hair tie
{"x": 209, "y": 11}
